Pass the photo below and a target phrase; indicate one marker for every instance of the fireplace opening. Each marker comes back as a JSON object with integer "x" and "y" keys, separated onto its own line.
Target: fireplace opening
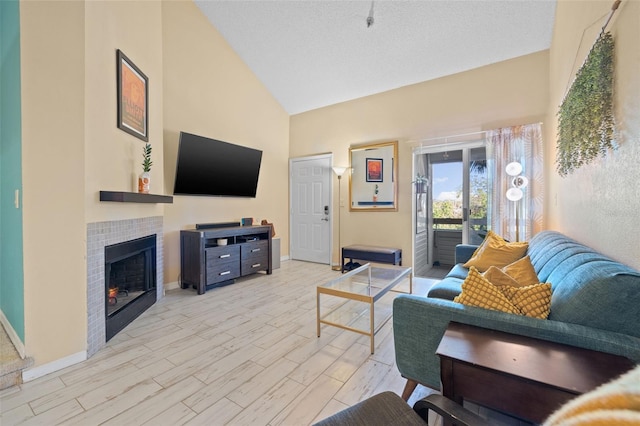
{"x": 130, "y": 281}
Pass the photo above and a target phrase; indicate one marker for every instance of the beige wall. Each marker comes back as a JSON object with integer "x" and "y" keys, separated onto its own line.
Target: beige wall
{"x": 508, "y": 93}
{"x": 209, "y": 91}
{"x": 53, "y": 148}
{"x": 599, "y": 203}
{"x": 113, "y": 158}
{"x": 72, "y": 148}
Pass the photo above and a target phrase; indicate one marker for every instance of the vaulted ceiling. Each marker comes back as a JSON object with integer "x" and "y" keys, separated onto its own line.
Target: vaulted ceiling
{"x": 314, "y": 53}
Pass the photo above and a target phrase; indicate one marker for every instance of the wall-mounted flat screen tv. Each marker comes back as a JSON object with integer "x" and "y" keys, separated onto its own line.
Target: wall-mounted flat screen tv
{"x": 211, "y": 167}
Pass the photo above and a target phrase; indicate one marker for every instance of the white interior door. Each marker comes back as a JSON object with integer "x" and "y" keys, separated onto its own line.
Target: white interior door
{"x": 311, "y": 208}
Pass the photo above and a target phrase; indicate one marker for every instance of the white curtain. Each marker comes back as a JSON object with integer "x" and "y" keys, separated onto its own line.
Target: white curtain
{"x": 515, "y": 220}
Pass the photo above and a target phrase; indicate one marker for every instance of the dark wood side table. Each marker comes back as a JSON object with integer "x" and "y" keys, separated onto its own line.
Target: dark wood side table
{"x": 521, "y": 376}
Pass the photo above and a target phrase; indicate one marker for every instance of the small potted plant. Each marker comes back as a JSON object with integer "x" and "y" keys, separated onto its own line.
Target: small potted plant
{"x": 144, "y": 180}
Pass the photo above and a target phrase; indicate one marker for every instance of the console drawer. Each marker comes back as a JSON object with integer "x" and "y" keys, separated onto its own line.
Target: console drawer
{"x": 254, "y": 250}
{"x": 254, "y": 257}
{"x": 222, "y": 271}
{"x": 222, "y": 253}
{"x": 222, "y": 263}
{"x": 254, "y": 265}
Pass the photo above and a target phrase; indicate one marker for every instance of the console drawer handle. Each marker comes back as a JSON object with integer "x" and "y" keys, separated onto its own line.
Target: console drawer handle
{"x": 255, "y": 250}
{"x": 225, "y": 256}
{"x": 225, "y": 273}
{"x": 255, "y": 265}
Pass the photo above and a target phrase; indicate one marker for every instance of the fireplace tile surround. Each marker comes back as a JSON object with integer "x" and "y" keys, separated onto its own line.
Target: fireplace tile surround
{"x": 99, "y": 235}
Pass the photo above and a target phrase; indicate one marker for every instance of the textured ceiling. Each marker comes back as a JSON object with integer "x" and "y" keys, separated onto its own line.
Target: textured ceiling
{"x": 311, "y": 54}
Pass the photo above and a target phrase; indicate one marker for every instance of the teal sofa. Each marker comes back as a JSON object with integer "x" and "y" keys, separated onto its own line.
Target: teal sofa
{"x": 595, "y": 304}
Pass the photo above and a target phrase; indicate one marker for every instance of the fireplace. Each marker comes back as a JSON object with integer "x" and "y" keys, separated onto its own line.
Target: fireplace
{"x": 130, "y": 281}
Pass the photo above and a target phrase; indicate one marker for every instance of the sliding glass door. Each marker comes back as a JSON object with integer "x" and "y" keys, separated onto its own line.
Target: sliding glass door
{"x": 451, "y": 206}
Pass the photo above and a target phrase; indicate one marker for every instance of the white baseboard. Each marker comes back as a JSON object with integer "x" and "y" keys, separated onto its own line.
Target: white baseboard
{"x": 283, "y": 258}
{"x": 13, "y": 336}
{"x": 59, "y": 364}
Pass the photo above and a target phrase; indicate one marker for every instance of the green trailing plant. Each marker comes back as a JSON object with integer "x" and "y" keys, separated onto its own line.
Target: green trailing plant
{"x": 585, "y": 118}
{"x": 146, "y": 155}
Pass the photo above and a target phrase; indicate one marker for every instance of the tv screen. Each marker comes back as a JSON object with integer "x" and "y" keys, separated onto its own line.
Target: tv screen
{"x": 212, "y": 167}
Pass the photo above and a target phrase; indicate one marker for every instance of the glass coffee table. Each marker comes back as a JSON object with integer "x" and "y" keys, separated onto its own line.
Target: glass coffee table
{"x": 354, "y": 296}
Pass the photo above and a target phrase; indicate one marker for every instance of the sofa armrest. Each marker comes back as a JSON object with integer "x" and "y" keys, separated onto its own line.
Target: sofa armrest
{"x": 419, "y": 323}
{"x": 464, "y": 252}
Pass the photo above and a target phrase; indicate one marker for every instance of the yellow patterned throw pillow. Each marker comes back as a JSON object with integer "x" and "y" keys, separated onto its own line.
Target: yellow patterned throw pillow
{"x": 495, "y": 251}
{"x": 478, "y": 291}
{"x": 533, "y": 300}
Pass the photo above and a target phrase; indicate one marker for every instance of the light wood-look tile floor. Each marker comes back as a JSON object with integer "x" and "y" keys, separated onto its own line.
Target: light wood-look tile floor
{"x": 244, "y": 354}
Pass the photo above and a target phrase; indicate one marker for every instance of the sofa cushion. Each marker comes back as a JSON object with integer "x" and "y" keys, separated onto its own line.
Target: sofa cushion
{"x": 495, "y": 251}
{"x": 447, "y": 289}
{"x": 458, "y": 271}
{"x": 522, "y": 272}
{"x": 497, "y": 276}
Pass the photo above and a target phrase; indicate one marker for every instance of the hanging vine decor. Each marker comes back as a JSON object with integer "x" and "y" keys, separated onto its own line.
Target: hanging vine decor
{"x": 585, "y": 118}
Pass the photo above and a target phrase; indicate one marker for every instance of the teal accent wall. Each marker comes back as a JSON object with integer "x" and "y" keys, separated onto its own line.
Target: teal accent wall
{"x": 11, "y": 265}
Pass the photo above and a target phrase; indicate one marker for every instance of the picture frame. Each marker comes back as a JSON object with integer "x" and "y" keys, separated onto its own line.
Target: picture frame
{"x": 133, "y": 98}
{"x": 374, "y": 170}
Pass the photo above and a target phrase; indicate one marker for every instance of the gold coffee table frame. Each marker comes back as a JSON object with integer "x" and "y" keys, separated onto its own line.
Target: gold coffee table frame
{"x": 361, "y": 288}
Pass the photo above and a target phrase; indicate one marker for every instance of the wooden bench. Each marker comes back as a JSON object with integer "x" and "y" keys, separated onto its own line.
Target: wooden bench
{"x": 372, "y": 254}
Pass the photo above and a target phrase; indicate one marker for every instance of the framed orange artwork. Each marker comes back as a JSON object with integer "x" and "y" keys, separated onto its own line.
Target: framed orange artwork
{"x": 374, "y": 169}
{"x": 133, "y": 98}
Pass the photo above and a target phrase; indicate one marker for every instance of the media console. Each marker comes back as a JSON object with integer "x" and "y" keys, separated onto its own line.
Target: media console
{"x": 204, "y": 264}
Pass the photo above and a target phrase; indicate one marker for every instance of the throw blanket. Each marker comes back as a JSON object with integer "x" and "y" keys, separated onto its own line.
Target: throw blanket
{"x": 614, "y": 403}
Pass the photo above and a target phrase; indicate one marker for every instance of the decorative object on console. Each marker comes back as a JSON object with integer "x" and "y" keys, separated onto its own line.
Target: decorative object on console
{"x": 144, "y": 180}
{"x": 217, "y": 225}
{"x": 265, "y": 222}
{"x": 246, "y": 221}
{"x": 339, "y": 171}
{"x": 133, "y": 98}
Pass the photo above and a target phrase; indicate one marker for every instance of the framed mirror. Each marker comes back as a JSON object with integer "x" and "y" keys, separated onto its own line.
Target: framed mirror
{"x": 373, "y": 182}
